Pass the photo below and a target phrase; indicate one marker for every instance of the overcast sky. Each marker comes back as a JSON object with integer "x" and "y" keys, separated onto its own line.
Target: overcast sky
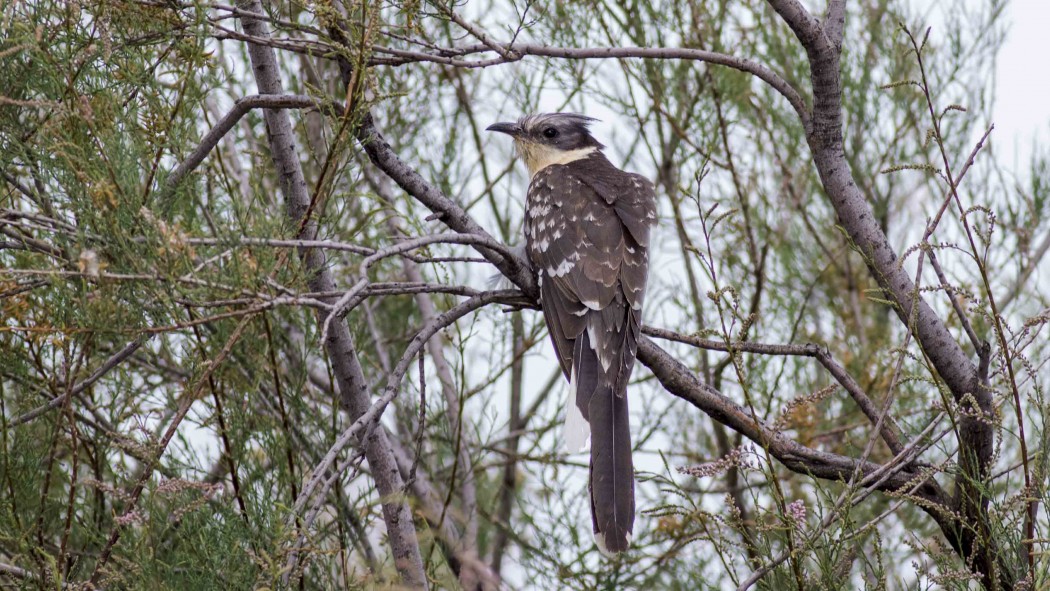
{"x": 1022, "y": 107}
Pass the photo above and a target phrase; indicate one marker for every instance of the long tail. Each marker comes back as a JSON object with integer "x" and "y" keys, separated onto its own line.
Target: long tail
{"x": 612, "y": 470}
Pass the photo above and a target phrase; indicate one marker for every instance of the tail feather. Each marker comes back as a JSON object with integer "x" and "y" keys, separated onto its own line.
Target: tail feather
{"x": 611, "y": 469}
{"x": 576, "y": 430}
{"x": 612, "y": 472}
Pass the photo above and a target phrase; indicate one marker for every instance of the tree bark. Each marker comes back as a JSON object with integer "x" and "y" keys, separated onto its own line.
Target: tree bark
{"x": 970, "y": 535}
{"x": 353, "y": 387}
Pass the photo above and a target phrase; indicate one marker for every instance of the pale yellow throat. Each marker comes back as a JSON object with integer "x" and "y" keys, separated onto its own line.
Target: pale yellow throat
{"x": 538, "y": 156}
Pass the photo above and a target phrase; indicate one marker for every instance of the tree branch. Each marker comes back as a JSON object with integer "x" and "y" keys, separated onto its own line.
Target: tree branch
{"x": 835, "y": 23}
{"x": 341, "y": 352}
{"x": 683, "y": 383}
{"x": 511, "y": 52}
{"x": 889, "y": 430}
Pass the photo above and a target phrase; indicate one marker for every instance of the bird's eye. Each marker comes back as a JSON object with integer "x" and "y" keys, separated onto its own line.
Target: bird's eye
{"x": 550, "y": 133}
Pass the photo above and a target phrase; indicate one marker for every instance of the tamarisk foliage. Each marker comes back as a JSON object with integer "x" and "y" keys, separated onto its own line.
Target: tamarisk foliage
{"x": 249, "y": 338}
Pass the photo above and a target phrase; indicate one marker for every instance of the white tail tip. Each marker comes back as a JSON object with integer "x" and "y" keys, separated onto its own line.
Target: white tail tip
{"x": 599, "y": 540}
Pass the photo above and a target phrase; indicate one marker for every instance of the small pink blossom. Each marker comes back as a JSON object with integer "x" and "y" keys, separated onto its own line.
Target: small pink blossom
{"x": 796, "y": 510}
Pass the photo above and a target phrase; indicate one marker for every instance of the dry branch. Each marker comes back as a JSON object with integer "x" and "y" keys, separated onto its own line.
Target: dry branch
{"x": 347, "y": 368}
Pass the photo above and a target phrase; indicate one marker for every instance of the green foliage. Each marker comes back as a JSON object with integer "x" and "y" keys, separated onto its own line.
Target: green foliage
{"x": 102, "y": 99}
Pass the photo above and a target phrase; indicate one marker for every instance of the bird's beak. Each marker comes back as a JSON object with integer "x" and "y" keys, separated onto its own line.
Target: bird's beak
{"x": 511, "y": 129}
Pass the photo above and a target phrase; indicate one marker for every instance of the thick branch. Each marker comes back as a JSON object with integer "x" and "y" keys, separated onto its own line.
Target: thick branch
{"x": 825, "y": 138}
{"x": 803, "y": 24}
{"x": 682, "y": 382}
{"x": 835, "y": 23}
{"x": 341, "y": 352}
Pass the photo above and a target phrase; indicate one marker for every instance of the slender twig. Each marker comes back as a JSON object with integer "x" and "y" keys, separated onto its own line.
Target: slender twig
{"x": 479, "y": 33}
{"x": 1026, "y": 272}
{"x": 357, "y": 430}
{"x": 516, "y": 51}
{"x": 224, "y": 433}
{"x": 865, "y": 487}
{"x": 465, "y": 440}
{"x": 888, "y": 429}
{"x": 963, "y": 318}
{"x": 340, "y": 306}
{"x": 189, "y": 396}
{"x": 367, "y": 422}
{"x": 240, "y": 108}
{"x": 983, "y": 398}
{"x": 107, "y": 366}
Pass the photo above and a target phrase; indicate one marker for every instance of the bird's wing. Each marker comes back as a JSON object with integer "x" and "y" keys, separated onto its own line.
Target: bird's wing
{"x": 576, "y": 243}
{"x": 633, "y": 199}
{"x": 587, "y": 235}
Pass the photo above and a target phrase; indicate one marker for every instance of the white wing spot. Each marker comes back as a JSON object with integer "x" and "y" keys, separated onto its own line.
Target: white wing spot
{"x": 562, "y": 269}
{"x": 593, "y": 305}
{"x": 603, "y": 357}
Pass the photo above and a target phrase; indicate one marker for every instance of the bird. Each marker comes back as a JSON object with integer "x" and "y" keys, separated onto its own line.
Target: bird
{"x": 587, "y": 226}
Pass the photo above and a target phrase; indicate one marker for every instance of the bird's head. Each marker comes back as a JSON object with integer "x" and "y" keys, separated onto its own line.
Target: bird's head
{"x": 550, "y": 138}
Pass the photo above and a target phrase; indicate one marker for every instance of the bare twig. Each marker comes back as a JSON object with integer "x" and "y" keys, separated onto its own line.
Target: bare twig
{"x": 465, "y": 440}
{"x": 340, "y": 306}
{"x": 963, "y": 318}
{"x": 479, "y": 33}
{"x": 114, "y": 360}
{"x": 976, "y": 451}
{"x": 240, "y": 108}
{"x": 1026, "y": 272}
{"x": 865, "y": 487}
{"x": 520, "y": 50}
{"x": 189, "y": 396}
{"x": 366, "y": 421}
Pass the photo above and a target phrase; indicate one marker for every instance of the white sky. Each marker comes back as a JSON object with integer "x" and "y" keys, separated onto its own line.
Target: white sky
{"x": 1022, "y": 104}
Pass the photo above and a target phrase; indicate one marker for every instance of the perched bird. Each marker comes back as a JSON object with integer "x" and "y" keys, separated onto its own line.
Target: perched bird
{"x": 587, "y": 229}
